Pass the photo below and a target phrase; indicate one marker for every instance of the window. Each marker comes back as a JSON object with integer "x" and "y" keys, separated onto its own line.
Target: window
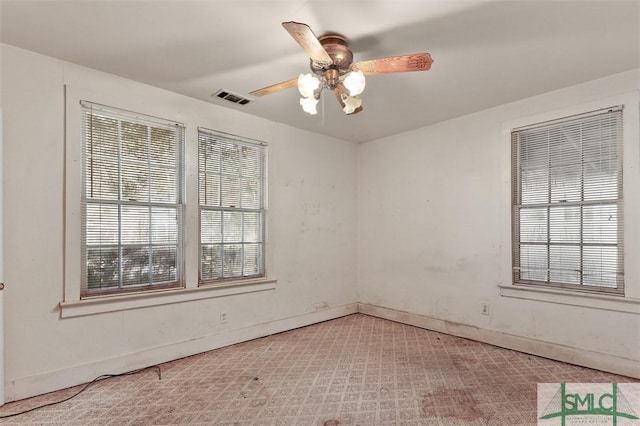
{"x": 567, "y": 203}
{"x": 232, "y": 210}
{"x": 131, "y": 201}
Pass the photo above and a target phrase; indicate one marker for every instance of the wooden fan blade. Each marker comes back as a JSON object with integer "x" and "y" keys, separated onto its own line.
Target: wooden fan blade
{"x": 308, "y": 41}
{"x": 404, "y": 63}
{"x": 275, "y": 88}
{"x": 338, "y": 91}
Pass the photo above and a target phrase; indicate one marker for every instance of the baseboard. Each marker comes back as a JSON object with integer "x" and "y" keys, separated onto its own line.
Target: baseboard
{"x": 60, "y": 379}
{"x": 577, "y": 356}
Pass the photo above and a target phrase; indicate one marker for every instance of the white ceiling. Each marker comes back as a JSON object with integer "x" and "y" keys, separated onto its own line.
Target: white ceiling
{"x": 486, "y": 52}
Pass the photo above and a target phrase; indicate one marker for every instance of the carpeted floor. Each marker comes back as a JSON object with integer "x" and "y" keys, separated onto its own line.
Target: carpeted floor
{"x": 355, "y": 370}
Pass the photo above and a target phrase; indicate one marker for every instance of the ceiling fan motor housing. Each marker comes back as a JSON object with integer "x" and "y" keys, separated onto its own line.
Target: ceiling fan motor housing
{"x": 336, "y": 47}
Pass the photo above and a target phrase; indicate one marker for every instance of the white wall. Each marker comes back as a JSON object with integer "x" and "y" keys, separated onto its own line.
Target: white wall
{"x": 431, "y": 224}
{"x": 434, "y": 234}
{"x": 311, "y": 223}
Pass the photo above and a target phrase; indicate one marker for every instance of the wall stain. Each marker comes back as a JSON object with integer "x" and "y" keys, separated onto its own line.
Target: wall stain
{"x": 320, "y": 306}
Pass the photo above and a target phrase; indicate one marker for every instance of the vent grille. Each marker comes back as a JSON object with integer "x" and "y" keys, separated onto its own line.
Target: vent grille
{"x": 231, "y": 97}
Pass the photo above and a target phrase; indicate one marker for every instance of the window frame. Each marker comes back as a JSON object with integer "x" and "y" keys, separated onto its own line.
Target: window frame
{"x": 261, "y": 210}
{"x": 147, "y": 102}
{"x": 517, "y": 207}
{"x": 119, "y": 114}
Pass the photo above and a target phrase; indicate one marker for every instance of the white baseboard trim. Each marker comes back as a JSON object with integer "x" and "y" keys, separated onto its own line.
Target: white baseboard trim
{"x": 571, "y": 355}
{"x": 26, "y": 387}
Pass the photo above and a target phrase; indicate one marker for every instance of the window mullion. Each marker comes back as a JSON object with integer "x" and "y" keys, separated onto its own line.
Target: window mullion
{"x": 242, "y": 242}
{"x": 90, "y": 150}
{"x": 222, "y": 214}
{"x": 241, "y": 204}
{"x": 549, "y": 166}
{"x": 582, "y": 164}
{"x": 205, "y": 172}
{"x": 149, "y": 208}
{"x": 120, "y": 251}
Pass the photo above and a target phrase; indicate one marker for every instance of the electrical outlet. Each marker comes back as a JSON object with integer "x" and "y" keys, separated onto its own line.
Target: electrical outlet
{"x": 485, "y": 308}
{"x": 223, "y": 318}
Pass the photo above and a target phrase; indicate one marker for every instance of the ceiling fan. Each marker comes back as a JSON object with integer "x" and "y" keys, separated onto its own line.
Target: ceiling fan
{"x": 332, "y": 68}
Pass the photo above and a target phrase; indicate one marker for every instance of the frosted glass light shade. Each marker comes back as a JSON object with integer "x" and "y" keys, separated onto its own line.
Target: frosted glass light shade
{"x": 354, "y": 82}
{"x": 307, "y": 84}
{"x": 352, "y": 103}
{"x": 309, "y": 105}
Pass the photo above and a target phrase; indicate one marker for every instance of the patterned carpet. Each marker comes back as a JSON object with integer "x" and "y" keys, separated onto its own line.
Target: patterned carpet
{"x": 355, "y": 370}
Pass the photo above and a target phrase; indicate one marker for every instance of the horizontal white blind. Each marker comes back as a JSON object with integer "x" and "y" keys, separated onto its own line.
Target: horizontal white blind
{"x": 132, "y": 201}
{"x": 231, "y": 192}
{"x": 567, "y": 203}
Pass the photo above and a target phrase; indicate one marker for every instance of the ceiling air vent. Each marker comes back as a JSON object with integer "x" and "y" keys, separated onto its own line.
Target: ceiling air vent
{"x": 231, "y": 97}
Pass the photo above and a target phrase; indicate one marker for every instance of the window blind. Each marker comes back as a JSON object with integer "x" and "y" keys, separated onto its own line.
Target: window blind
{"x": 132, "y": 201}
{"x": 232, "y": 209}
{"x": 567, "y": 203}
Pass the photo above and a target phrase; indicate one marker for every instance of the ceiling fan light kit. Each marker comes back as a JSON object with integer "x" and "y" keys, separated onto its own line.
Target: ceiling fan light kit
{"x": 332, "y": 68}
{"x": 307, "y": 85}
{"x": 309, "y": 105}
{"x": 352, "y": 104}
{"x": 310, "y": 87}
{"x": 355, "y": 82}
